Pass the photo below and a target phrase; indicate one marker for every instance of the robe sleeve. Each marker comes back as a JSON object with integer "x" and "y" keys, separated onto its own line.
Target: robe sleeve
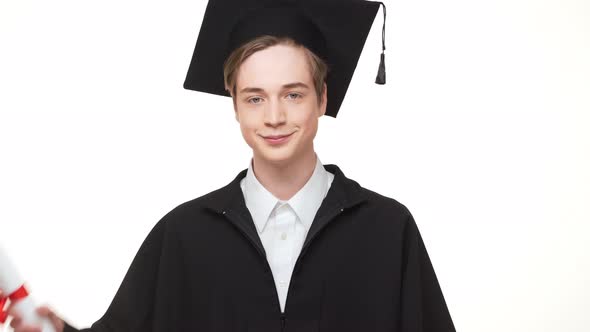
{"x": 423, "y": 305}
{"x": 132, "y": 306}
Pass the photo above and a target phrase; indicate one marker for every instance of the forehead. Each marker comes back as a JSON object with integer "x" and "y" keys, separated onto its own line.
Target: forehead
{"x": 273, "y": 67}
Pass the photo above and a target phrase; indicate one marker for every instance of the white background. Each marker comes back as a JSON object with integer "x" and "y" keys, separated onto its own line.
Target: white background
{"x": 482, "y": 131}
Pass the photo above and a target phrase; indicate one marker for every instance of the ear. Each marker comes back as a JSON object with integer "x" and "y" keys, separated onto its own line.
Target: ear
{"x": 324, "y": 101}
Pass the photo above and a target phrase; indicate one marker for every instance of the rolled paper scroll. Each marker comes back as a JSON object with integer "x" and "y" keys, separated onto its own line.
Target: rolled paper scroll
{"x": 14, "y": 291}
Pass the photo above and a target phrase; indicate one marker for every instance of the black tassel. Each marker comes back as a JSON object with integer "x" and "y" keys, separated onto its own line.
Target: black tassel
{"x": 381, "y": 72}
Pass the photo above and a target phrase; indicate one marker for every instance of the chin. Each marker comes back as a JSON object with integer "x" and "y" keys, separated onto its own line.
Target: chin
{"x": 276, "y": 155}
{"x": 278, "y": 158}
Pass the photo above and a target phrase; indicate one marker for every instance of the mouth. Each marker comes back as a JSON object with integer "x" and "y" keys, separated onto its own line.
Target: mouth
{"x": 277, "y": 139}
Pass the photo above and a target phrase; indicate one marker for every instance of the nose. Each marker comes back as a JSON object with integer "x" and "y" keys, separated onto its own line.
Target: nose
{"x": 274, "y": 114}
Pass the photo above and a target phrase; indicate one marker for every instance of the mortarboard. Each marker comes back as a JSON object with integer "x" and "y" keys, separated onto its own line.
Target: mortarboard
{"x": 336, "y": 30}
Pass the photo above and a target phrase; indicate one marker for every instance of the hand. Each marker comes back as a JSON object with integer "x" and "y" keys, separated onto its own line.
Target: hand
{"x": 43, "y": 311}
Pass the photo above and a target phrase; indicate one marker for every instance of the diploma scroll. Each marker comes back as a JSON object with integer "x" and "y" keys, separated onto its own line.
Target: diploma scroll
{"x": 13, "y": 290}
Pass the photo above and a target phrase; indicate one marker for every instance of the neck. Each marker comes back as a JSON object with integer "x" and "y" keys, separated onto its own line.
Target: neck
{"x": 284, "y": 180}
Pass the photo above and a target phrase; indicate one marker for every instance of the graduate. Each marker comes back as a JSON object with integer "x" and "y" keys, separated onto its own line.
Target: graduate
{"x": 290, "y": 244}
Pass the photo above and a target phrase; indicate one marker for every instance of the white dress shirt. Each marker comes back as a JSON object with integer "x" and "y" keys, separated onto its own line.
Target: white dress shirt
{"x": 283, "y": 225}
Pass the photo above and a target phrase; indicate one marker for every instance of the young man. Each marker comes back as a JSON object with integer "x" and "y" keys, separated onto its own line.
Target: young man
{"x": 290, "y": 244}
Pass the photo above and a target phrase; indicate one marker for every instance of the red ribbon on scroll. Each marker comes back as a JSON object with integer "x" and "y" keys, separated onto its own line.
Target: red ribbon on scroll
{"x": 18, "y": 294}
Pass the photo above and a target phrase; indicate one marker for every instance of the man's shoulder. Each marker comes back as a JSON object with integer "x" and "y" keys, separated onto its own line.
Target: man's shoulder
{"x": 372, "y": 199}
{"x": 203, "y": 202}
{"x": 211, "y": 202}
{"x": 383, "y": 203}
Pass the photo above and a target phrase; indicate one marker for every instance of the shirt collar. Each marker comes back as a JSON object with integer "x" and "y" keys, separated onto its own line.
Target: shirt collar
{"x": 305, "y": 202}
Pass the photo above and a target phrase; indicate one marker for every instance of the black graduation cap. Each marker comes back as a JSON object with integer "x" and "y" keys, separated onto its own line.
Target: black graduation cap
{"x": 336, "y": 30}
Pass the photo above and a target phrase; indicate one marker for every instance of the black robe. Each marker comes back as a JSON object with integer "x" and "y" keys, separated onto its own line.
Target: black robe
{"x": 363, "y": 267}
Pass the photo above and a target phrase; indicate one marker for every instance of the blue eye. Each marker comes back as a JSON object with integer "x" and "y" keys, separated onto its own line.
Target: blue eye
{"x": 294, "y": 95}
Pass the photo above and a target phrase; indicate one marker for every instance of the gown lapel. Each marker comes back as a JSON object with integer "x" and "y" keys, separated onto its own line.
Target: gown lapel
{"x": 228, "y": 201}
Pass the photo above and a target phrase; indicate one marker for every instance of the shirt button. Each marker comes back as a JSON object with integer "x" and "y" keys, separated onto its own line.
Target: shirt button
{"x": 283, "y": 284}
{"x": 283, "y": 236}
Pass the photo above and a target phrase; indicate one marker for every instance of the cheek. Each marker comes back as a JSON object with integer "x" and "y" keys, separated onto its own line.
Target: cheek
{"x": 246, "y": 128}
{"x": 249, "y": 128}
{"x": 247, "y": 119}
{"x": 308, "y": 123}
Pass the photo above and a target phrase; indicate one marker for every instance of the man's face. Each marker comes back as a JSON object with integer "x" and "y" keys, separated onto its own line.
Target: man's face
{"x": 276, "y": 104}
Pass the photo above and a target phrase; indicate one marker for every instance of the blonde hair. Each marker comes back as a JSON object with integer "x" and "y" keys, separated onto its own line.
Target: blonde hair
{"x": 318, "y": 67}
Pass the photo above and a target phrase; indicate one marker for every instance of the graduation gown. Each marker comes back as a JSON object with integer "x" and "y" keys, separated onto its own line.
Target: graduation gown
{"x": 363, "y": 267}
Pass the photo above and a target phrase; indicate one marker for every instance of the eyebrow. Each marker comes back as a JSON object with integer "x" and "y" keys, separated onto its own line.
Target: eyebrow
{"x": 285, "y": 86}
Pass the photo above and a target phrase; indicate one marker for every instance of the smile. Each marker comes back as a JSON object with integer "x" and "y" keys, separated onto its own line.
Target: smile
{"x": 276, "y": 139}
